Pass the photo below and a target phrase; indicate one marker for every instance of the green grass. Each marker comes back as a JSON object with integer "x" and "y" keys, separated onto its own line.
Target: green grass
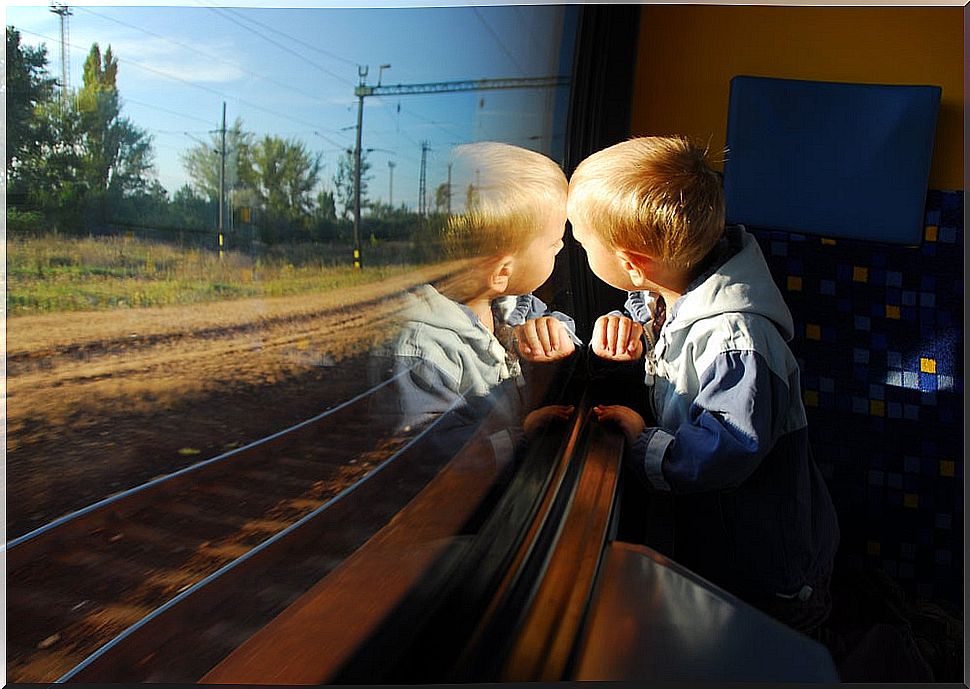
{"x": 53, "y": 274}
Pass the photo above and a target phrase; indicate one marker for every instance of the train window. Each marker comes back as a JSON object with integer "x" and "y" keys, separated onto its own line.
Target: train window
{"x": 220, "y": 222}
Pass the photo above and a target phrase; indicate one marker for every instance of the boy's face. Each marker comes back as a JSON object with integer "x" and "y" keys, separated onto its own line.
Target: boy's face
{"x": 534, "y": 264}
{"x": 603, "y": 260}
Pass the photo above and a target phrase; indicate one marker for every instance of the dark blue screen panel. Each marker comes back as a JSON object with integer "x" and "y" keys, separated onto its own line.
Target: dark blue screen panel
{"x": 835, "y": 159}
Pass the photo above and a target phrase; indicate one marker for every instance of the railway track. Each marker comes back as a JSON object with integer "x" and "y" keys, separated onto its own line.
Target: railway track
{"x": 80, "y": 583}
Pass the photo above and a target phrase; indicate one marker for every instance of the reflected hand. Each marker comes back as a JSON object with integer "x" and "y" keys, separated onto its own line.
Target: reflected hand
{"x": 631, "y": 423}
{"x": 617, "y": 338}
{"x": 543, "y": 340}
{"x": 541, "y": 417}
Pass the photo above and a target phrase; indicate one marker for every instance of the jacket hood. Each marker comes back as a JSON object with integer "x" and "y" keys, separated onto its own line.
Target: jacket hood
{"x": 437, "y": 313}
{"x": 741, "y": 284}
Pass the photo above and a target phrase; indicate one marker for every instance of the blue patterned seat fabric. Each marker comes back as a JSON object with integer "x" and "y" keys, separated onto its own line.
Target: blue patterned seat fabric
{"x": 879, "y": 337}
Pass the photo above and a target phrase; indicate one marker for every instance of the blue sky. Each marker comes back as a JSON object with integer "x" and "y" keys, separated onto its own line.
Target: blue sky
{"x": 291, "y": 72}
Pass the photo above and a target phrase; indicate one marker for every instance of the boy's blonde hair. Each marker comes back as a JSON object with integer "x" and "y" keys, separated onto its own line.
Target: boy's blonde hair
{"x": 651, "y": 195}
{"x": 507, "y": 193}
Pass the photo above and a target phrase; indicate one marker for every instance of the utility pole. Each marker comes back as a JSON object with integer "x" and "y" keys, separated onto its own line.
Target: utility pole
{"x": 448, "y": 193}
{"x": 222, "y": 182}
{"x": 222, "y": 174}
{"x": 390, "y": 184}
{"x": 64, "y": 11}
{"x": 362, "y": 74}
{"x": 422, "y": 188}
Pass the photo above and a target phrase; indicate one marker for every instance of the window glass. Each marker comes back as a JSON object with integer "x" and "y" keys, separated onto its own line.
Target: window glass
{"x": 219, "y": 224}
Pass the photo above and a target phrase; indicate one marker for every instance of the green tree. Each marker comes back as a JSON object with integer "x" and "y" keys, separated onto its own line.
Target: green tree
{"x": 343, "y": 182}
{"x": 204, "y": 161}
{"x": 286, "y": 173}
{"x": 193, "y": 211}
{"x": 118, "y": 156}
{"x": 326, "y": 206}
{"x": 29, "y": 87}
{"x": 53, "y": 173}
{"x": 75, "y": 155}
{"x": 442, "y": 198}
{"x": 471, "y": 197}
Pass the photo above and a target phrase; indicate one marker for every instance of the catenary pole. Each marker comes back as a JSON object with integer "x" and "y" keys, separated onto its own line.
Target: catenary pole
{"x": 362, "y": 73}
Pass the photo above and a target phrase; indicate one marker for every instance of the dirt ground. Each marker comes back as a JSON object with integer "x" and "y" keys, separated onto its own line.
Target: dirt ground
{"x": 99, "y": 402}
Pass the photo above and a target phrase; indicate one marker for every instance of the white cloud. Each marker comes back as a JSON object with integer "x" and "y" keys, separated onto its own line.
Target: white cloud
{"x": 156, "y": 57}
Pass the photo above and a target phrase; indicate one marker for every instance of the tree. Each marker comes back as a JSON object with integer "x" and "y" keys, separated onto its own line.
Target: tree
{"x": 471, "y": 197}
{"x": 343, "y": 182}
{"x": 326, "y": 206}
{"x": 193, "y": 211}
{"x": 442, "y": 198}
{"x": 29, "y": 87}
{"x": 52, "y": 174}
{"x": 118, "y": 155}
{"x": 203, "y": 162}
{"x": 286, "y": 173}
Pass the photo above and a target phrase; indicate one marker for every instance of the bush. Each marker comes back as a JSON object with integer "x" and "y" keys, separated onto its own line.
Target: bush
{"x": 28, "y": 223}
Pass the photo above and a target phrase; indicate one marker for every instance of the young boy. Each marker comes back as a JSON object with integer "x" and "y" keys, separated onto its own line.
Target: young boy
{"x": 752, "y": 511}
{"x": 457, "y": 343}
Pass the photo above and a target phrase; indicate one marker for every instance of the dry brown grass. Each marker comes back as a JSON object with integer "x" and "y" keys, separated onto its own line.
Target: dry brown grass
{"x": 132, "y": 360}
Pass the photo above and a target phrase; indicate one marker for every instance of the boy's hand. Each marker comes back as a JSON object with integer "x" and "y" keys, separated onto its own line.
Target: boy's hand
{"x": 542, "y": 416}
{"x": 543, "y": 339}
{"x": 631, "y": 423}
{"x": 617, "y": 338}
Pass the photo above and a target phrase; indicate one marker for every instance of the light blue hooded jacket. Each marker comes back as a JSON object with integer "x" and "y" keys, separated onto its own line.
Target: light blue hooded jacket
{"x": 444, "y": 359}
{"x": 731, "y": 428}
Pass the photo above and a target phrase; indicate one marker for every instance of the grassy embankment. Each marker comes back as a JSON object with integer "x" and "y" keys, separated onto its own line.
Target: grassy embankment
{"x": 54, "y": 274}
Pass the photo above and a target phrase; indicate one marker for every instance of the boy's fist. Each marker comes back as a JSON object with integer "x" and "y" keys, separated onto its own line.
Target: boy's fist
{"x": 617, "y": 338}
{"x": 631, "y": 423}
{"x": 543, "y": 339}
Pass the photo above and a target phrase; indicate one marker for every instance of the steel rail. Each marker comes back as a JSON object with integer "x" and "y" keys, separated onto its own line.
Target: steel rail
{"x": 272, "y": 541}
{"x": 156, "y": 482}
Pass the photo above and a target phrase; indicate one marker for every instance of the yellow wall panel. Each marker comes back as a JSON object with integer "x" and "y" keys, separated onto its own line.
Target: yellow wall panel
{"x": 687, "y": 55}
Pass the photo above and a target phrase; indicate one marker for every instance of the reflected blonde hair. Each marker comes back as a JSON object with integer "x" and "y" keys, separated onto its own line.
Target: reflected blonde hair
{"x": 507, "y": 193}
{"x": 651, "y": 195}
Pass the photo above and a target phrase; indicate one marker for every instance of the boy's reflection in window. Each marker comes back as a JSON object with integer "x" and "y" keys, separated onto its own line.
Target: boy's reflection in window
{"x": 458, "y": 346}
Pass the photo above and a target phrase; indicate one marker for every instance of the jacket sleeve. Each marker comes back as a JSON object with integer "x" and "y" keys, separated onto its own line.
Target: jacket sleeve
{"x": 529, "y": 307}
{"x": 419, "y": 393}
{"x": 733, "y": 423}
{"x": 639, "y": 306}
{"x": 421, "y": 397}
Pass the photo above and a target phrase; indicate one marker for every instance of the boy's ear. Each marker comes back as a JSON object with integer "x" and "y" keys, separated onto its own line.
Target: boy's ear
{"x": 636, "y": 265}
{"x": 498, "y": 277}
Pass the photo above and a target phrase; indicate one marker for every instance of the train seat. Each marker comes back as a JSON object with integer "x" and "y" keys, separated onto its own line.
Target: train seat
{"x": 879, "y": 340}
{"x": 875, "y": 288}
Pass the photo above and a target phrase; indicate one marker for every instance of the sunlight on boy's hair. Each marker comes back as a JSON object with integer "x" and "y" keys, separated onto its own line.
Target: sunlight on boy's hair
{"x": 503, "y": 194}
{"x": 655, "y": 195}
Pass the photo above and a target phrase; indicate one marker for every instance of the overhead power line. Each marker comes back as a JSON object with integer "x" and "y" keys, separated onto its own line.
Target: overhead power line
{"x": 279, "y": 45}
{"x": 428, "y": 120}
{"x": 168, "y": 110}
{"x": 310, "y": 46}
{"x": 498, "y": 40}
{"x": 133, "y": 63}
{"x": 211, "y": 56}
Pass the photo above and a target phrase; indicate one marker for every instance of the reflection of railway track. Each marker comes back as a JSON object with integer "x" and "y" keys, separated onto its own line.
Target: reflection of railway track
{"x": 83, "y": 579}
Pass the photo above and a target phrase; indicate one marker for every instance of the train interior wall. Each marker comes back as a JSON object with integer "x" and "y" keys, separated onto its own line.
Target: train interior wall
{"x": 879, "y": 332}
